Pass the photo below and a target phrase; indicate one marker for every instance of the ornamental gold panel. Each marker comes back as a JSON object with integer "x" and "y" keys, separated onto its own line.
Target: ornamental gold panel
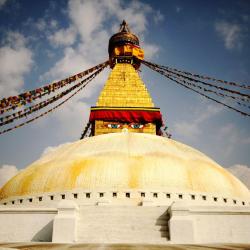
{"x": 124, "y": 88}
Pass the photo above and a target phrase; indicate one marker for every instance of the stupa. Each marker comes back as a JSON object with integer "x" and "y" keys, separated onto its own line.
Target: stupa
{"x": 126, "y": 183}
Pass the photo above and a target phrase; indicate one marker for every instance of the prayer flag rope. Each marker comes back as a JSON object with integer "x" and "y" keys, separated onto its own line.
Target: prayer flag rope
{"x": 85, "y": 131}
{"x": 55, "y": 107}
{"x": 162, "y": 72}
{"x": 244, "y": 86}
{"x": 13, "y": 102}
{"x": 184, "y": 81}
{"x": 246, "y": 96}
{"x": 27, "y": 111}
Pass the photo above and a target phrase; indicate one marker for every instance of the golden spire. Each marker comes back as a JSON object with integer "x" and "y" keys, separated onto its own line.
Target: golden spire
{"x": 124, "y": 88}
{"x": 124, "y": 102}
{"x": 124, "y": 27}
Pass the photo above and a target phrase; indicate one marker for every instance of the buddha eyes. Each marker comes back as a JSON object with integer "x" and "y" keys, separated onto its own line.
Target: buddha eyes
{"x": 132, "y": 125}
{"x": 136, "y": 126}
{"x": 114, "y": 125}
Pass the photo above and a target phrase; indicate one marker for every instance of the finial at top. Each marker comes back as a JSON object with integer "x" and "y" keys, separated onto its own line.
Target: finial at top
{"x": 124, "y": 47}
{"x": 124, "y": 27}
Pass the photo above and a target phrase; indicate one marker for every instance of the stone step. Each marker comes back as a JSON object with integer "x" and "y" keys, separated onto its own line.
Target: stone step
{"x": 132, "y": 236}
{"x": 124, "y": 215}
{"x": 124, "y": 228}
{"x": 128, "y": 209}
{"x": 155, "y": 220}
{"x": 123, "y": 224}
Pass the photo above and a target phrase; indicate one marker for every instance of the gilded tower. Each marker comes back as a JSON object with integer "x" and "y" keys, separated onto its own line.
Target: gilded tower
{"x": 124, "y": 102}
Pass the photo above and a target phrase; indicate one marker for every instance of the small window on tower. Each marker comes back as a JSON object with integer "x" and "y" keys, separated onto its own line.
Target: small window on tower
{"x": 193, "y": 197}
{"x": 21, "y": 200}
{"x": 101, "y": 194}
{"x": 87, "y": 195}
{"x": 128, "y": 195}
{"x": 168, "y": 195}
{"x": 204, "y": 197}
{"x": 63, "y": 196}
{"x": 142, "y": 194}
{"x": 13, "y": 202}
{"x": 155, "y": 195}
{"x": 75, "y": 196}
{"x": 52, "y": 197}
{"x": 30, "y": 199}
{"x": 40, "y": 198}
{"x": 215, "y": 199}
{"x": 180, "y": 196}
{"x": 115, "y": 194}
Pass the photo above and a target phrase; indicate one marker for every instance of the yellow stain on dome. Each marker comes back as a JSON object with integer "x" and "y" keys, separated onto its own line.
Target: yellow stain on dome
{"x": 125, "y": 161}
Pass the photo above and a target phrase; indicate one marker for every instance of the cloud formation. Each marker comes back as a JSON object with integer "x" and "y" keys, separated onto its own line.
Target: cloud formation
{"x": 242, "y": 172}
{"x": 231, "y": 33}
{"x": 234, "y": 135}
{"x": 15, "y": 60}
{"x": 84, "y": 44}
{"x": 7, "y": 172}
{"x": 88, "y": 22}
{"x": 193, "y": 127}
{"x": 2, "y": 3}
{"x": 63, "y": 37}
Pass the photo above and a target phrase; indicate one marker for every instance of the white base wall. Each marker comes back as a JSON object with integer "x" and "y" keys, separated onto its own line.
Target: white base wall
{"x": 199, "y": 224}
{"x": 179, "y": 223}
{"x": 25, "y": 225}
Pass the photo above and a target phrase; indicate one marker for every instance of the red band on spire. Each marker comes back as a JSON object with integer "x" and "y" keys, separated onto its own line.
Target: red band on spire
{"x": 129, "y": 116}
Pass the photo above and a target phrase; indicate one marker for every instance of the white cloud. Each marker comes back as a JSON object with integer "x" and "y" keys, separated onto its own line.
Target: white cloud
{"x": 84, "y": 43}
{"x": 2, "y": 3}
{"x": 231, "y": 33}
{"x": 87, "y": 17}
{"x": 158, "y": 17}
{"x": 16, "y": 61}
{"x": 234, "y": 137}
{"x": 150, "y": 50}
{"x": 41, "y": 24}
{"x": 7, "y": 172}
{"x": 242, "y": 172}
{"x": 64, "y": 37}
{"x": 73, "y": 117}
{"x": 53, "y": 23}
{"x": 52, "y": 149}
{"x": 193, "y": 127}
{"x": 87, "y": 20}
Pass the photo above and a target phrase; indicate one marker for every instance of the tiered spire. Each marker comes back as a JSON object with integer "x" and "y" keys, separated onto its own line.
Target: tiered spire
{"x": 125, "y": 102}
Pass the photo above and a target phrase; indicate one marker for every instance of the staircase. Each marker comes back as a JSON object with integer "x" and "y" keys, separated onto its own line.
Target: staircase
{"x": 109, "y": 224}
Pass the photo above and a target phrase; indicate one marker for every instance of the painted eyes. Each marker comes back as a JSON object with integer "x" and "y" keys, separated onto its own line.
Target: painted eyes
{"x": 136, "y": 126}
{"x": 132, "y": 125}
{"x": 114, "y": 125}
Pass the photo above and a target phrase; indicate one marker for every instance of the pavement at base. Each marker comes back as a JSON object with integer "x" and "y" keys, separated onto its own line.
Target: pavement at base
{"x": 55, "y": 246}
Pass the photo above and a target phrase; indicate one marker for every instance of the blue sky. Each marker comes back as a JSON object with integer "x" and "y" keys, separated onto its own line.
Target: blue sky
{"x": 42, "y": 41}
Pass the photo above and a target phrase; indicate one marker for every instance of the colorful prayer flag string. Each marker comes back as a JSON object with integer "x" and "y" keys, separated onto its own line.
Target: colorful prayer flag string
{"x": 12, "y": 102}
{"x": 55, "y": 107}
{"x": 185, "y": 84}
{"x": 27, "y": 111}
